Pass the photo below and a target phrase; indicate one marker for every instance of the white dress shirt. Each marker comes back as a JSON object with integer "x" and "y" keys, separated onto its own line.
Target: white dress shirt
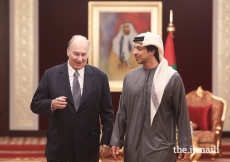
{"x": 71, "y": 72}
{"x": 81, "y": 72}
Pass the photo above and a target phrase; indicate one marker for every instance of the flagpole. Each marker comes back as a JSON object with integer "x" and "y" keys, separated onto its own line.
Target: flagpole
{"x": 171, "y": 27}
{"x": 169, "y": 54}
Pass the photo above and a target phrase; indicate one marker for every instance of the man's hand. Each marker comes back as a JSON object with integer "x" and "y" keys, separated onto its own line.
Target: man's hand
{"x": 104, "y": 150}
{"x": 59, "y": 103}
{"x": 183, "y": 156}
{"x": 115, "y": 152}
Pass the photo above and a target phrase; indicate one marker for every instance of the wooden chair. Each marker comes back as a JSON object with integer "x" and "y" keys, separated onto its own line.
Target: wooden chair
{"x": 208, "y": 112}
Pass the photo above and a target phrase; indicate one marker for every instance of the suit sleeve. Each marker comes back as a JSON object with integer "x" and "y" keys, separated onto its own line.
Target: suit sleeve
{"x": 41, "y": 103}
{"x": 106, "y": 112}
{"x": 120, "y": 125}
{"x": 182, "y": 116}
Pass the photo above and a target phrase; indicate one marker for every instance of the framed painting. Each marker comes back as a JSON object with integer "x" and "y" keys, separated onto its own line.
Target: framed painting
{"x": 111, "y": 29}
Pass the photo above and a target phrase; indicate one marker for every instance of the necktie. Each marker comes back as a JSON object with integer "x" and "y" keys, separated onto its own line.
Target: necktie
{"x": 76, "y": 90}
{"x": 121, "y": 52}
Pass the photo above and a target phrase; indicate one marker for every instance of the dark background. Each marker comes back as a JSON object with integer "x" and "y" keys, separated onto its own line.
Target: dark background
{"x": 60, "y": 20}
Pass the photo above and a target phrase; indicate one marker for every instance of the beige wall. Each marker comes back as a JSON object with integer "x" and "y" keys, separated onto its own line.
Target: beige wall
{"x": 23, "y": 63}
{"x": 221, "y": 53}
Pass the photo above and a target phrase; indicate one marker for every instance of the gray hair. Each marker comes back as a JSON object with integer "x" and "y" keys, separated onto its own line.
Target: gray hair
{"x": 75, "y": 36}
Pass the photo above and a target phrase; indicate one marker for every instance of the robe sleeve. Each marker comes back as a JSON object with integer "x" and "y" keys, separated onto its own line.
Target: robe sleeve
{"x": 182, "y": 116}
{"x": 120, "y": 124}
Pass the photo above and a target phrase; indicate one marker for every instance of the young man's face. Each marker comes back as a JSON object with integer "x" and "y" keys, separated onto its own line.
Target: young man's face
{"x": 78, "y": 54}
{"x": 141, "y": 54}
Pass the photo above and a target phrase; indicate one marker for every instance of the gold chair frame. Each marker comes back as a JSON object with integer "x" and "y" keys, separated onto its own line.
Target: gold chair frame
{"x": 218, "y": 128}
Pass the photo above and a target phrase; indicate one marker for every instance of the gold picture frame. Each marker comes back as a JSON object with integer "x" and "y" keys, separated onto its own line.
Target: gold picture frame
{"x": 106, "y": 20}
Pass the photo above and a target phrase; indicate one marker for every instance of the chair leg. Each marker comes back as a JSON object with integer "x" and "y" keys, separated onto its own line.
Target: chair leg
{"x": 213, "y": 156}
{"x": 220, "y": 153}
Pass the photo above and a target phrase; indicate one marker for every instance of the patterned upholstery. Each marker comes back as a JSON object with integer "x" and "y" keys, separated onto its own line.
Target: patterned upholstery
{"x": 202, "y": 98}
{"x": 204, "y": 136}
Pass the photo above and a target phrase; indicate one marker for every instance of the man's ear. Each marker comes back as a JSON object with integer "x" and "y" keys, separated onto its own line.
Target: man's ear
{"x": 67, "y": 52}
{"x": 152, "y": 52}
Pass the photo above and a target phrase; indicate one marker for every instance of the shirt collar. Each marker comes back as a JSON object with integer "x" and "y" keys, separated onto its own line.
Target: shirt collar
{"x": 72, "y": 71}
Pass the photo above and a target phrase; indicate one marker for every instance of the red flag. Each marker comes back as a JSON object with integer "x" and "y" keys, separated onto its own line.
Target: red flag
{"x": 169, "y": 51}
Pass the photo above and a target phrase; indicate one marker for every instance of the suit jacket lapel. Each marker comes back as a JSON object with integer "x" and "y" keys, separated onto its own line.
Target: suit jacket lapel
{"x": 64, "y": 79}
{"x": 88, "y": 82}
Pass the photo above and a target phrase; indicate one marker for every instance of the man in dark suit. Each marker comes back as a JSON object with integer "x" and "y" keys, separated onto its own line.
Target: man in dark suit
{"x": 76, "y": 97}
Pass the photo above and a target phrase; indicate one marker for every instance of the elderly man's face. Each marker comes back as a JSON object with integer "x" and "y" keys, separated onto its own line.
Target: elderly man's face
{"x": 126, "y": 28}
{"x": 78, "y": 53}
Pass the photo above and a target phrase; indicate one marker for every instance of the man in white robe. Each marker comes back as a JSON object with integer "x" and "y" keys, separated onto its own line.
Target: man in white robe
{"x": 152, "y": 106}
{"x": 121, "y": 59}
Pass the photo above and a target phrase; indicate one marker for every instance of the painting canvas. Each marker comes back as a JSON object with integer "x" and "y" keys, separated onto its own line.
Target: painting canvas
{"x": 112, "y": 27}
